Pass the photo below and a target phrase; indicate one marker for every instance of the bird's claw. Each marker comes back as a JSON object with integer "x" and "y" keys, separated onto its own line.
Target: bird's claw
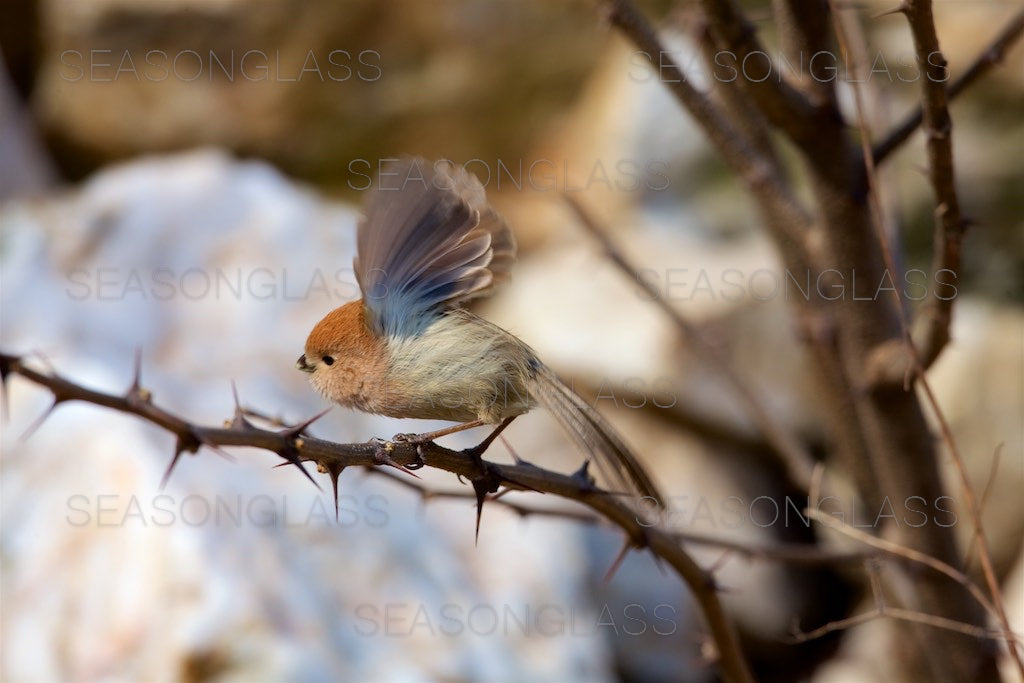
{"x": 382, "y": 450}
{"x": 407, "y": 438}
{"x": 411, "y": 438}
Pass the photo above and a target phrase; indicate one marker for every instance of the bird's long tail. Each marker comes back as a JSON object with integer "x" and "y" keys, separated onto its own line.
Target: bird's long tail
{"x": 593, "y": 435}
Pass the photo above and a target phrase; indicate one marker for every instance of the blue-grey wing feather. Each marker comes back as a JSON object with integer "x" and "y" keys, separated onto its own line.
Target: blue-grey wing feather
{"x": 431, "y": 244}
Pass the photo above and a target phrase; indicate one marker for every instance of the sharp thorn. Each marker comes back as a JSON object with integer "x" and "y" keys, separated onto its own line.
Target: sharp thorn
{"x": 239, "y": 421}
{"x": 334, "y": 470}
{"x": 220, "y": 451}
{"x": 298, "y": 429}
{"x": 137, "y": 371}
{"x": 515, "y": 455}
{"x": 644, "y": 542}
{"x": 7, "y": 365}
{"x": 583, "y": 475}
{"x": 135, "y": 393}
{"x": 241, "y": 424}
{"x": 292, "y": 456}
{"x": 308, "y": 476}
{"x": 5, "y": 413}
{"x": 478, "y": 450}
{"x": 387, "y": 460}
{"x": 610, "y": 574}
{"x": 382, "y": 454}
{"x": 334, "y": 491}
{"x": 170, "y": 468}
{"x": 480, "y": 489}
{"x": 38, "y": 422}
{"x": 181, "y": 445}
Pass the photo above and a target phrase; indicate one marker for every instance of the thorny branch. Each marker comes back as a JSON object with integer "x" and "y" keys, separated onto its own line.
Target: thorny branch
{"x": 788, "y": 553}
{"x": 295, "y": 446}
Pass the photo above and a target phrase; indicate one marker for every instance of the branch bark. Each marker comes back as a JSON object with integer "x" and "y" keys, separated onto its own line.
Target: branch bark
{"x": 761, "y": 173}
{"x": 981, "y": 65}
{"x": 785, "y": 106}
{"x": 893, "y": 362}
{"x": 879, "y": 431}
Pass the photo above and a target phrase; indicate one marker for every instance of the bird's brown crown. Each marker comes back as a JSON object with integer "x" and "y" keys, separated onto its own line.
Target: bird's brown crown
{"x": 343, "y": 331}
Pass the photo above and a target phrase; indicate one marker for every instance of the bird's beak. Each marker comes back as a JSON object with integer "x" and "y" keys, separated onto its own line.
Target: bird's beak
{"x": 301, "y": 364}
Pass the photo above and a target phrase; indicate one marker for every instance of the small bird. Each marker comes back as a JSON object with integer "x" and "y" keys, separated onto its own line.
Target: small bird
{"x": 410, "y": 349}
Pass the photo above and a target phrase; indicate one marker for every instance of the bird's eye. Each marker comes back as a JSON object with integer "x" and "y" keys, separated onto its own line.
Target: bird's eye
{"x": 329, "y": 360}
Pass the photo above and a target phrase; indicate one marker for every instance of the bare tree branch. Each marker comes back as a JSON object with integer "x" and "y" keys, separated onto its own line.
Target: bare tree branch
{"x": 892, "y": 362}
{"x": 882, "y": 610}
{"x": 949, "y": 233}
{"x": 736, "y": 103}
{"x": 295, "y": 447}
{"x": 762, "y": 174}
{"x": 948, "y": 236}
{"x": 993, "y": 54}
{"x": 797, "y": 462}
{"x": 785, "y": 106}
{"x": 879, "y": 430}
{"x": 804, "y": 31}
{"x": 902, "y": 552}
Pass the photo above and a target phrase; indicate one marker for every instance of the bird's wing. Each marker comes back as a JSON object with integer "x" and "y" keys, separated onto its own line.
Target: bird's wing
{"x": 429, "y": 240}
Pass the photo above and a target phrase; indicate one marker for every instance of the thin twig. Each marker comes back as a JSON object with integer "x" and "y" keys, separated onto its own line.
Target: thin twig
{"x": 993, "y": 54}
{"x": 899, "y": 551}
{"x": 882, "y": 610}
{"x": 762, "y": 174}
{"x": 969, "y": 552}
{"x": 794, "y": 457}
{"x": 892, "y": 362}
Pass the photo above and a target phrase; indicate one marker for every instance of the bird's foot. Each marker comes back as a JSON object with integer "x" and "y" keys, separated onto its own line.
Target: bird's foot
{"x": 382, "y": 451}
{"x": 410, "y": 438}
{"x": 427, "y": 437}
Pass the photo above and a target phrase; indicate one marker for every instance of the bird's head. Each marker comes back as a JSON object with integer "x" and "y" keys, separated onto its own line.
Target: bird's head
{"x": 342, "y": 353}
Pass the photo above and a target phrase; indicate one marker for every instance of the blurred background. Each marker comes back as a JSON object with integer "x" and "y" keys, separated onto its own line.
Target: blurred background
{"x": 184, "y": 176}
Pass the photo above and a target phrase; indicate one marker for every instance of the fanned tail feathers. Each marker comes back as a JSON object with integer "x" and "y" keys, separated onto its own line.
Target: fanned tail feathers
{"x": 593, "y": 435}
